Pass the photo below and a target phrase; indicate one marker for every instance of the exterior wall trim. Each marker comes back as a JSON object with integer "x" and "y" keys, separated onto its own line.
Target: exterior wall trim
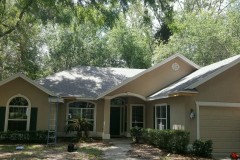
{"x": 126, "y": 94}
{"x": 211, "y": 104}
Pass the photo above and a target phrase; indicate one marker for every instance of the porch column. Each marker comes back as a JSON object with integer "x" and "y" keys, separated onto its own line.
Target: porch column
{"x": 106, "y": 119}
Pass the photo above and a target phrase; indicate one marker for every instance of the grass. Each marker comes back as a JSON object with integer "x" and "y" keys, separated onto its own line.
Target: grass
{"x": 91, "y": 152}
{"x": 37, "y": 152}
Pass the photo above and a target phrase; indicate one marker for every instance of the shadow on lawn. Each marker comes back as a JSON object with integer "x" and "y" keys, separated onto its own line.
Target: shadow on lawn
{"x": 58, "y": 152}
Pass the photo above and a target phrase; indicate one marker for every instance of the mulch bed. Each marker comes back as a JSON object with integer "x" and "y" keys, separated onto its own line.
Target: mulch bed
{"x": 145, "y": 151}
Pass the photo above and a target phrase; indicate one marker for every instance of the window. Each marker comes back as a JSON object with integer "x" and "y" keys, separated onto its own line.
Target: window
{"x": 137, "y": 116}
{"x": 118, "y": 101}
{"x": 162, "y": 117}
{"x": 82, "y": 110}
{"x": 18, "y": 111}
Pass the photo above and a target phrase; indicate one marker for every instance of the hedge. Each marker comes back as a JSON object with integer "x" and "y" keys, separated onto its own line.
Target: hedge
{"x": 203, "y": 148}
{"x": 175, "y": 141}
{"x": 24, "y": 136}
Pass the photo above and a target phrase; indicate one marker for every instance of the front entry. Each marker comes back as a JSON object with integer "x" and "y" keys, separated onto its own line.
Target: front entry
{"x": 115, "y": 121}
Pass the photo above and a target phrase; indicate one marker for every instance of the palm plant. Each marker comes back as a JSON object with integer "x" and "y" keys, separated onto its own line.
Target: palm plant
{"x": 81, "y": 125}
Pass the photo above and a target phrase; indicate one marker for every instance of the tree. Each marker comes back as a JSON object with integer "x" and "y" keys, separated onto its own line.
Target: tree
{"x": 161, "y": 12}
{"x": 22, "y": 43}
{"x": 130, "y": 41}
{"x": 203, "y": 37}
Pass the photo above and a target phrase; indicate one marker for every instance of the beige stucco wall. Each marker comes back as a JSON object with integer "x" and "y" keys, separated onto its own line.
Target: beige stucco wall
{"x": 177, "y": 112}
{"x": 223, "y": 88}
{"x": 156, "y": 79}
{"x": 37, "y": 98}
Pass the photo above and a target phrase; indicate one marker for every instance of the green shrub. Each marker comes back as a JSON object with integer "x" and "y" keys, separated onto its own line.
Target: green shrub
{"x": 136, "y": 133}
{"x": 174, "y": 141}
{"x": 179, "y": 141}
{"x": 24, "y": 136}
{"x": 202, "y": 148}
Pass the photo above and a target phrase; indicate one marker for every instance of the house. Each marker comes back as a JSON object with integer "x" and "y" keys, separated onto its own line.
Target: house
{"x": 174, "y": 94}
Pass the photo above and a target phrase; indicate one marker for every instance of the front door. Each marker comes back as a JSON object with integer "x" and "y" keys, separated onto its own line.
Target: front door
{"x": 115, "y": 121}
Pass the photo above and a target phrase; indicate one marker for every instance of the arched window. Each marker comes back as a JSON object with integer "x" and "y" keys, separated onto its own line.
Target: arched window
{"x": 18, "y": 114}
{"x": 118, "y": 101}
{"x": 84, "y": 110}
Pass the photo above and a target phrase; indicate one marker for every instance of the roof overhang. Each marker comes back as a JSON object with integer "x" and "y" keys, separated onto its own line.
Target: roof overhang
{"x": 175, "y": 94}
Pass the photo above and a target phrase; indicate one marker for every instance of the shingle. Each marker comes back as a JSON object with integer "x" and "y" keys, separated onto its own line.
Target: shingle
{"x": 185, "y": 83}
{"x": 86, "y": 81}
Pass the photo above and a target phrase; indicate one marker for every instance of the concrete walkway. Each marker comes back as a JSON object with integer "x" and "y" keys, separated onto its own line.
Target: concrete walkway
{"x": 118, "y": 149}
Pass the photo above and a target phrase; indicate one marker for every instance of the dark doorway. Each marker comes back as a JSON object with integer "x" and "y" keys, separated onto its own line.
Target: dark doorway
{"x": 115, "y": 121}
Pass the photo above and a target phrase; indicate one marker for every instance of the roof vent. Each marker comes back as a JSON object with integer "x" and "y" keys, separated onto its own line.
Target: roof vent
{"x": 175, "y": 66}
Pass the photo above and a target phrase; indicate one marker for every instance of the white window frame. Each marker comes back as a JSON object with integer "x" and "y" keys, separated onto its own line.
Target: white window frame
{"x": 131, "y": 107}
{"x": 94, "y": 110}
{"x": 28, "y": 112}
{"x": 156, "y": 118}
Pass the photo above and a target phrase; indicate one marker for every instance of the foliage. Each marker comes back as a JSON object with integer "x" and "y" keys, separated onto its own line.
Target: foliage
{"x": 204, "y": 37}
{"x": 37, "y": 40}
{"x": 93, "y": 153}
{"x": 24, "y": 136}
{"x": 42, "y": 37}
{"x": 131, "y": 46}
{"x": 174, "y": 141}
{"x": 136, "y": 133}
{"x": 81, "y": 125}
{"x": 202, "y": 148}
{"x": 162, "y": 15}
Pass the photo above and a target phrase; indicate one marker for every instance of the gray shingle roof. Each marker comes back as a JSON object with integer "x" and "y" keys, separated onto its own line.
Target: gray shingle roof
{"x": 189, "y": 82}
{"x": 86, "y": 82}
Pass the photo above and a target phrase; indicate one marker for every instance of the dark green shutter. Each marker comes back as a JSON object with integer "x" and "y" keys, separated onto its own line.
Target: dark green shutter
{"x": 33, "y": 119}
{"x": 154, "y": 117}
{"x": 2, "y": 118}
{"x": 168, "y": 117}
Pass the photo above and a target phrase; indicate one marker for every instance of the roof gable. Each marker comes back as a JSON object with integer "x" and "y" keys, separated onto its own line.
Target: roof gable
{"x": 20, "y": 75}
{"x": 190, "y": 82}
{"x": 161, "y": 64}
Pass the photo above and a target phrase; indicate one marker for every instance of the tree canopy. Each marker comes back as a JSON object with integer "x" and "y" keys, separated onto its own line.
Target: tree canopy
{"x": 40, "y": 37}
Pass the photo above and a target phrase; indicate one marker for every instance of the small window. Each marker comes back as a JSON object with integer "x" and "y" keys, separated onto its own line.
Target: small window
{"x": 161, "y": 117}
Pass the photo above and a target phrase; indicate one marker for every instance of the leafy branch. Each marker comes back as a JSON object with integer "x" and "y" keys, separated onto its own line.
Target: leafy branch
{"x": 20, "y": 17}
